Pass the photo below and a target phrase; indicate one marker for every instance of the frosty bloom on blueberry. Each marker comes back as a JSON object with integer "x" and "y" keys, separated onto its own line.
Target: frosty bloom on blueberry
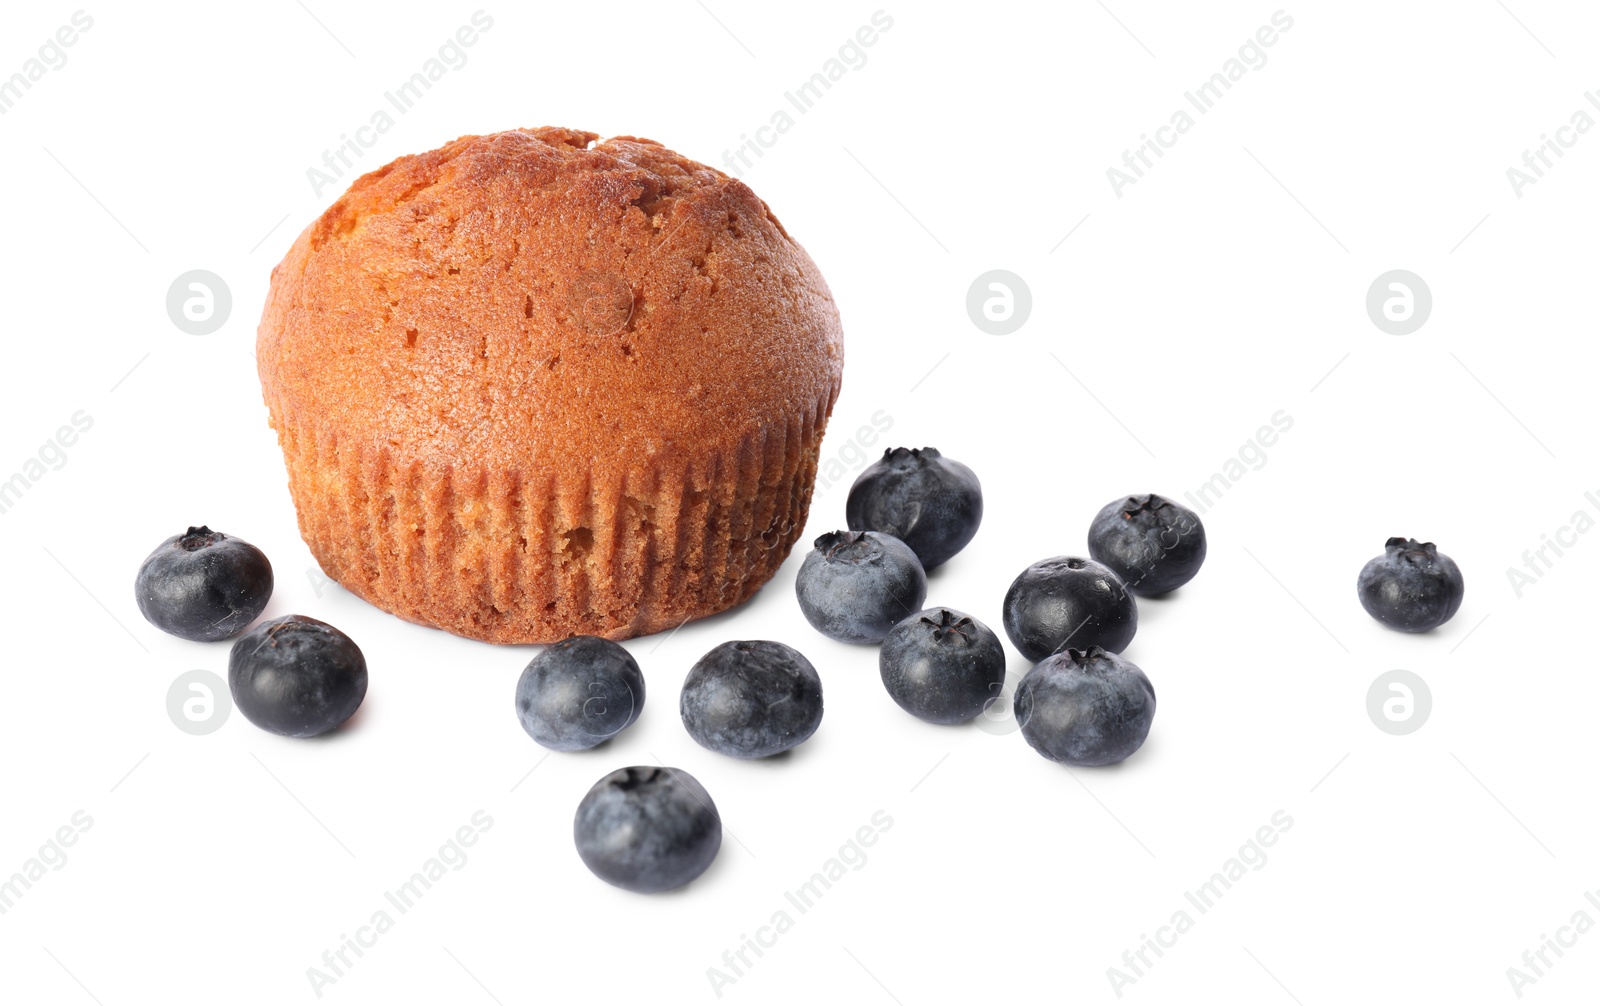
{"x": 297, "y": 676}
{"x": 1154, "y": 544}
{"x": 203, "y": 585}
{"x": 579, "y": 693}
{"x": 647, "y": 829}
{"x": 1065, "y": 601}
{"x": 1085, "y": 707}
{"x": 855, "y": 585}
{"x": 928, "y": 501}
{"x": 751, "y": 699}
{"x": 942, "y": 665}
{"x": 1412, "y": 586}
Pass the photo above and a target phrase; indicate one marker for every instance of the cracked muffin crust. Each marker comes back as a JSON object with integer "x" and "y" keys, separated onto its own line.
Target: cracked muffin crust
{"x": 529, "y": 385}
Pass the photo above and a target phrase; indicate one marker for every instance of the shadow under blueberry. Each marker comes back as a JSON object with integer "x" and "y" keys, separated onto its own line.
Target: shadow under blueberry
{"x": 941, "y": 573}
{"x": 1152, "y": 610}
{"x": 1170, "y": 595}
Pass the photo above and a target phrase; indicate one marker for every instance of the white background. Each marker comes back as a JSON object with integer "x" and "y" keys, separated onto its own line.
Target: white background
{"x": 1226, "y": 285}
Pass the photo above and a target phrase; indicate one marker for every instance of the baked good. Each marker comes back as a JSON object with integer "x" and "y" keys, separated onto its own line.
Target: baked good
{"x": 529, "y": 385}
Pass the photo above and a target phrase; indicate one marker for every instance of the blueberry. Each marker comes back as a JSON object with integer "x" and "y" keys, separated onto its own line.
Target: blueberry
{"x": 203, "y": 585}
{"x": 1412, "y": 586}
{"x": 855, "y": 585}
{"x": 928, "y": 501}
{"x": 297, "y": 676}
{"x": 751, "y": 699}
{"x": 1068, "y": 600}
{"x": 579, "y": 692}
{"x": 1085, "y": 707}
{"x": 1154, "y": 544}
{"x": 942, "y": 666}
{"x": 647, "y": 829}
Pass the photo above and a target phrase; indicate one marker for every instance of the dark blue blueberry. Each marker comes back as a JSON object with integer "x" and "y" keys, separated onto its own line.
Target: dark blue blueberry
{"x": 1068, "y": 601}
{"x": 203, "y": 585}
{"x": 1085, "y": 707}
{"x": 854, "y": 586}
{"x": 579, "y": 692}
{"x": 928, "y": 501}
{"x": 647, "y": 829}
{"x": 751, "y": 699}
{"x": 1412, "y": 586}
{"x": 1154, "y": 544}
{"x": 942, "y": 665}
{"x": 297, "y": 676}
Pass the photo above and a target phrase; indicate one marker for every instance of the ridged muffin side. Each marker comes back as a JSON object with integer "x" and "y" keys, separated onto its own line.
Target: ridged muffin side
{"x": 613, "y": 422}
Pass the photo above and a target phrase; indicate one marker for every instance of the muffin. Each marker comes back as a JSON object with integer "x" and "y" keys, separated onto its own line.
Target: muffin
{"x": 529, "y": 385}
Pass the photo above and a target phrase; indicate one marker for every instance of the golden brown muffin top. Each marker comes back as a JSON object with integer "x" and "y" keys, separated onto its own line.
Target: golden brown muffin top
{"x": 532, "y": 297}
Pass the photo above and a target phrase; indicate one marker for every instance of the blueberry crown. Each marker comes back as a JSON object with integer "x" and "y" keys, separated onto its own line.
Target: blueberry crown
{"x": 830, "y": 543}
{"x": 1149, "y": 503}
{"x": 637, "y": 776}
{"x": 197, "y": 538}
{"x": 1411, "y": 545}
{"x": 296, "y": 631}
{"x": 1082, "y": 656}
{"x": 949, "y": 628}
{"x": 899, "y": 453}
